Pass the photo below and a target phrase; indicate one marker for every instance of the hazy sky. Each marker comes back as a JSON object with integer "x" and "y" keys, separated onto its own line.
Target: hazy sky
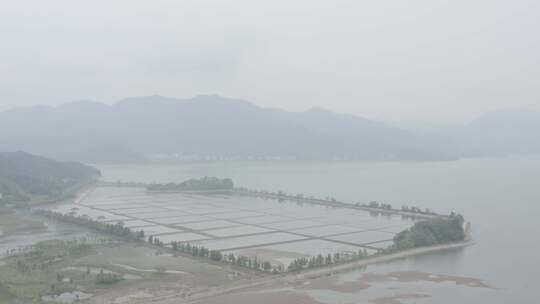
{"x": 392, "y": 60}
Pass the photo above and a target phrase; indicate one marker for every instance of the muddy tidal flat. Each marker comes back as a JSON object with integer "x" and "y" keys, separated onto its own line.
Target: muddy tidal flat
{"x": 368, "y": 287}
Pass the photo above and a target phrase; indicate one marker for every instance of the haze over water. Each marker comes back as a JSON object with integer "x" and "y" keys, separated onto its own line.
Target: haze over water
{"x": 499, "y": 196}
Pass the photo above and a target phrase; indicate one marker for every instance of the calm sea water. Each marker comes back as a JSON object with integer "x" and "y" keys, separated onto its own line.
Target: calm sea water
{"x": 501, "y": 197}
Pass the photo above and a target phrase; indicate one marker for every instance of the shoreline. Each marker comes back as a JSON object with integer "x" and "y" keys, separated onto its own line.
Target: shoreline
{"x": 302, "y": 276}
{"x": 335, "y": 269}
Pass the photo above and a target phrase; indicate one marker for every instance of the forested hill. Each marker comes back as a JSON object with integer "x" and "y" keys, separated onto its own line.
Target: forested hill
{"x": 25, "y": 176}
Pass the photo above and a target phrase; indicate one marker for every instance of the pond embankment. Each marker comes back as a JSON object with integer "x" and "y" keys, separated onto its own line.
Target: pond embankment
{"x": 333, "y": 269}
{"x": 333, "y": 203}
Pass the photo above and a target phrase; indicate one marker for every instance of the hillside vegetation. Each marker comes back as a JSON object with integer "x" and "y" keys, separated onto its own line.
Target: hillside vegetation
{"x": 24, "y": 177}
{"x": 431, "y": 232}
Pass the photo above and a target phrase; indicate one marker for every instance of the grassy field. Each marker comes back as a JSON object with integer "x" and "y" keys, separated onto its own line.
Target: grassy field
{"x": 44, "y": 269}
{"x": 11, "y": 223}
{"x": 152, "y": 263}
{"x": 29, "y": 275}
{"x": 55, "y": 267}
{"x": 5, "y": 295}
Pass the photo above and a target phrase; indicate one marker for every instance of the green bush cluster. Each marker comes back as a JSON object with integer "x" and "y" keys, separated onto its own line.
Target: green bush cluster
{"x": 205, "y": 183}
{"x": 108, "y": 278}
{"x": 431, "y": 232}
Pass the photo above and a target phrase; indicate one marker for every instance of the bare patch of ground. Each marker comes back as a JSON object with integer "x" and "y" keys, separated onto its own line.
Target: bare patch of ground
{"x": 163, "y": 276}
{"x": 413, "y": 276}
{"x": 261, "y": 298}
{"x": 332, "y": 283}
{"x": 131, "y": 297}
{"x": 368, "y": 279}
{"x": 397, "y": 298}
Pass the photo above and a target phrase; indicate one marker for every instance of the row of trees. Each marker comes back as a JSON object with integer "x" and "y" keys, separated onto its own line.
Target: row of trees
{"x": 417, "y": 210}
{"x": 196, "y": 251}
{"x": 320, "y": 260}
{"x": 389, "y": 207}
{"x": 256, "y": 264}
{"x": 155, "y": 241}
{"x": 25, "y": 267}
{"x": 117, "y": 229}
{"x": 376, "y": 205}
{"x": 217, "y": 256}
{"x": 280, "y": 195}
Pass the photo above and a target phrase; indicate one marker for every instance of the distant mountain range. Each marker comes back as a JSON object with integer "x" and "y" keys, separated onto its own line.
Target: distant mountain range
{"x": 493, "y": 134}
{"x": 214, "y": 127}
{"x": 501, "y": 133}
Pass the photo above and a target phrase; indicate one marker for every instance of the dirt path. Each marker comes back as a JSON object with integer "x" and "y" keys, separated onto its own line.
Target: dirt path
{"x": 131, "y": 268}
